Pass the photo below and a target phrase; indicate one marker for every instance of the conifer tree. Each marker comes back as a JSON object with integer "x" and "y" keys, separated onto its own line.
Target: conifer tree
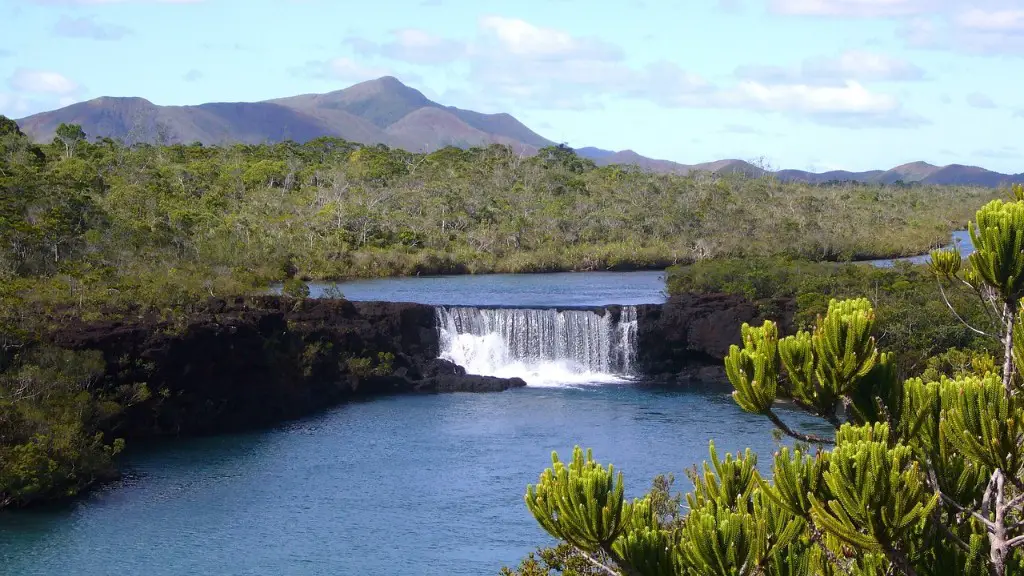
{"x": 919, "y": 477}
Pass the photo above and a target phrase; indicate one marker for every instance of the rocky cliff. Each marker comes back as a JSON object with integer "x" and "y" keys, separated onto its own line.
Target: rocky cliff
{"x": 253, "y": 362}
{"x": 685, "y": 340}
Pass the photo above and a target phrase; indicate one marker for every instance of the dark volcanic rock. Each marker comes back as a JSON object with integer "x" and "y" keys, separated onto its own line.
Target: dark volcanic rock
{"x": 254, "y": 362}
{"x": 687, "y": 338}
{"x": 251, "y": 362}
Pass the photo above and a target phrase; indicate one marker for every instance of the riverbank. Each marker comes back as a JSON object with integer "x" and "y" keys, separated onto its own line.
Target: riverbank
{"x": 246, "y": 363}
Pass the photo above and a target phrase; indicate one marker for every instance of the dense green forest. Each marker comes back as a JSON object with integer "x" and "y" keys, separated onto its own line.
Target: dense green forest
{"x": 102, "y": 221}
{"x": 91, "y": 228}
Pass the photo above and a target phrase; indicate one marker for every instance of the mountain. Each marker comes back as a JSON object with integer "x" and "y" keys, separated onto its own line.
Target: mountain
{"x": 920, "y": 172}
{"x": 377, "y": 111}
{"x": 832, "y": 175}
{"x": 387, "y": 111}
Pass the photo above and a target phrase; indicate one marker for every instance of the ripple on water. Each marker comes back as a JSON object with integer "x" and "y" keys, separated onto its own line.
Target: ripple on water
{"x": 412, "y": 485}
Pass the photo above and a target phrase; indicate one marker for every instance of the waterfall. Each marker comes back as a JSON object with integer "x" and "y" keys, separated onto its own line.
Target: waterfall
{"x": 543, "y": 347}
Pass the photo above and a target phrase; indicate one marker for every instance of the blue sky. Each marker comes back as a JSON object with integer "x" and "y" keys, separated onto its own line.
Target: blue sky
{"x": 808, "y": 84}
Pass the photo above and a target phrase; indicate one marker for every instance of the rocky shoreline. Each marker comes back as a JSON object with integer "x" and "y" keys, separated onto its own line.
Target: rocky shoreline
{"x": 254, "y": 362}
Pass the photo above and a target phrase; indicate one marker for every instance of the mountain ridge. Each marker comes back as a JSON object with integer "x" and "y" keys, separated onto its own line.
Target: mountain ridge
{"x": 386, "y": 111}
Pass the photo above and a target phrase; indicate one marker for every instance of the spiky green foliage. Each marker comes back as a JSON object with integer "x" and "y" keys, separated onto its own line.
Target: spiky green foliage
{"x": 582, "y": 503}
{"x": 754, "y": 368}
{"x": 796, "y": 478}
{"x": 880, "y": 493}
{"x": 797, "y": 354}
{"x": 982, "y": 422}
{"x": 998, "y": 238}
{"x": 835, "y": 360}
{"x": 845, "y": 345}
{"x": 879, "y": 395}
{"x": 725, "y": 481}
{"x": 722, "y": 541}
{"x": 946, "y": 262}
{"x": 649, "y": 551}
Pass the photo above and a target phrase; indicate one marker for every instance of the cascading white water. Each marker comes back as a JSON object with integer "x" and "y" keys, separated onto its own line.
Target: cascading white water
{"x": 543, "y": 347}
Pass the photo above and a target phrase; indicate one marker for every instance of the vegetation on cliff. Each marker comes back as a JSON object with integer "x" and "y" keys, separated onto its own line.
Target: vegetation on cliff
{"x": 922, "y": 475}
{"x": 913, "y": 321}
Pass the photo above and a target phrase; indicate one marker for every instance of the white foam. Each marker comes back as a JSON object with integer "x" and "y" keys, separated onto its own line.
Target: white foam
{"x": 546, "y": 348}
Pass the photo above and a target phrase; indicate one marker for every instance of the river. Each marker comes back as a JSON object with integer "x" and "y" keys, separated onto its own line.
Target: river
{"x": 406, "y": 485}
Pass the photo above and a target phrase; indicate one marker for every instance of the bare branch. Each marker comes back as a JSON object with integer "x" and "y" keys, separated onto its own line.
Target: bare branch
{"x": 988, "y": 523}
{"x": 960, "y": 318}
{"x": 809, "y": 438}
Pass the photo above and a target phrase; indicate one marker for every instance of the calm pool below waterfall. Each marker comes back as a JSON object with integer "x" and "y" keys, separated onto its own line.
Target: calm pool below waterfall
{"x": 409, "y": 485}
{"x": 403, "y": 486}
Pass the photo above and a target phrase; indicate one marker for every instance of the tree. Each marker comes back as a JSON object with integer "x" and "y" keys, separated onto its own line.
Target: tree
{"x": 70, "y": 135}
{"x": 921, "y": 476}
{"x": 8, "y": 126}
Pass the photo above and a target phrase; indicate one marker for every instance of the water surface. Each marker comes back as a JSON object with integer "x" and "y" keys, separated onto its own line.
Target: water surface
{"x": 404, "y": 486}
{"x": 541, "y": 290}
{"x": 556, "y": 289}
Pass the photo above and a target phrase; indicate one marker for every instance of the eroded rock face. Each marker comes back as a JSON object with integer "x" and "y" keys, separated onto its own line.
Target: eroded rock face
{"x": 255, "y": 362}
{"x": 685, "y": 340}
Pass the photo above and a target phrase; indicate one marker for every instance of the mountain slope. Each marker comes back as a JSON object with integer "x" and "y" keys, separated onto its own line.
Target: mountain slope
{"x": 428, "y": 129}
{"x": 960, "y": 174}
{"x": 377, "y": 111}
{"x": 912, "y": 172}
{"x": 138, "y": 120}
{"x": 386, "y": 111}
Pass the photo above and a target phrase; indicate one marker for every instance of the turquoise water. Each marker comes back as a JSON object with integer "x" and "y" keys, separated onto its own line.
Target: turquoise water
{"x": 404, "y": 486}
{"x": 541, "y": 290}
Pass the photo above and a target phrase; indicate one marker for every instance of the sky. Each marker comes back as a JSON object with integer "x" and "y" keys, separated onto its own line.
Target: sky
{"x": 805, "y": 84}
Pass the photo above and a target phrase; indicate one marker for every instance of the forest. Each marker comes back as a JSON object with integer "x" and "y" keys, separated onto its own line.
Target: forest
{"x": 93, "y": 229}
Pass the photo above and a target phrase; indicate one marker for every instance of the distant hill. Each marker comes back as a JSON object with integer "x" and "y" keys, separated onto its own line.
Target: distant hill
{"x": 387, "y": 111}
{"x": 377, "y": 111}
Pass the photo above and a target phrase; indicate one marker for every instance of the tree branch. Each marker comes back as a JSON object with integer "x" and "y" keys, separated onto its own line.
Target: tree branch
{"x": 809, "y": 438}
{"x": 988, "y": 523}
{"x": 960, "y": 318}
{"x": 597, "y": 563}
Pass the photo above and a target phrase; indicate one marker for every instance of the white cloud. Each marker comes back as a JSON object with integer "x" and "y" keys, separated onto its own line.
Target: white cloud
{"x": 1001, "y": 152}
{"x": 43, "y": 82}
{"x": 512, "y": 62}
{"x": 864, "y": 65}
{"x": 975, "y": 27}
{"x": 192, "y": 75}
{"x": 852, "y": 98}
{"x": 979, "y": 100}
{"x": 1003, "y": 21}
{"x": 859, "y": 65}
{"x": 520, "y": 38}
{"x": 87, "y": 27}
{"x": 851, "y": 8}
{"x": 412, "y": 45}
